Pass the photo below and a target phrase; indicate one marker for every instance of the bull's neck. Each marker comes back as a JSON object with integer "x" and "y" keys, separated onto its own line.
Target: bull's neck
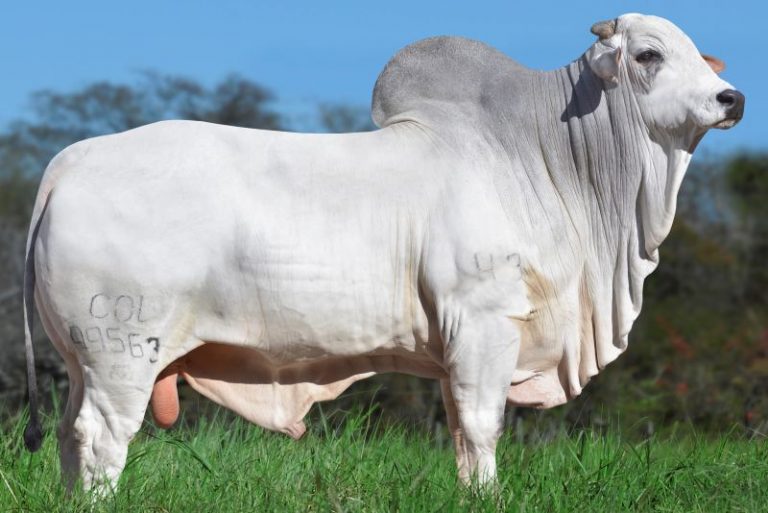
{"x": 628, "y": 174}
{"x": 632, "y": 174}
{"x": 628, "y": 178}
{"x": 618, "y": 181}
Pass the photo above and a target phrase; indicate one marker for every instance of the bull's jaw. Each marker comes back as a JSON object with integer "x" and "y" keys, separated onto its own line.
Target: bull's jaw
{"x": 724, "y": 124}
{"x": 727, "y": 123}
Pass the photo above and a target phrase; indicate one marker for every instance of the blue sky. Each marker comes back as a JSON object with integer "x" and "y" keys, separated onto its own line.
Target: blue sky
{"x": 310, "y": 52}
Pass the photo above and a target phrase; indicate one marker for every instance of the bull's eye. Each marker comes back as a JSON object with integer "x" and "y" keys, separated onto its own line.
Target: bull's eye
{"x": 648, "y": 56}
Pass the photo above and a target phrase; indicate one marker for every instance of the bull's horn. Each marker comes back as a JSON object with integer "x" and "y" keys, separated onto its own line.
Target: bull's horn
{"x": 604, "y": 29}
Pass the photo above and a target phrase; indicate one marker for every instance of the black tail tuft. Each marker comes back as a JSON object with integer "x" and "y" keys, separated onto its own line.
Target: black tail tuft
{"x": 33, "y": 435}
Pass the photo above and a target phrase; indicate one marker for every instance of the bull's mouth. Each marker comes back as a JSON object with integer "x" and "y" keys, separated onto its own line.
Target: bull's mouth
{"x": 726, "y": 123}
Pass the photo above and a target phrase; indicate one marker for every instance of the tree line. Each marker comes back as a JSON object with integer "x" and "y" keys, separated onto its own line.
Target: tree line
{"x": 698, "y": 354}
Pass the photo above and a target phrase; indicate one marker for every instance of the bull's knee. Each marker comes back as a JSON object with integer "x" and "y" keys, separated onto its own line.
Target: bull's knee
{"x": 482, "y": 428}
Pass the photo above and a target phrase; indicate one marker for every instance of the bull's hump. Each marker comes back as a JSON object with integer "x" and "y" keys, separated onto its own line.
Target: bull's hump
{"x": 445, "y": 70}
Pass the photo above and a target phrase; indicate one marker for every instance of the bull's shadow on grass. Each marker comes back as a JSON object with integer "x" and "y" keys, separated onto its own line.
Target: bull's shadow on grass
{"x": 225, "y": 464}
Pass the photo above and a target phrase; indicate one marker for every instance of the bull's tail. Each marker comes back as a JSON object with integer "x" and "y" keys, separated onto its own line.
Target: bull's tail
{"x": 33, "y": 434}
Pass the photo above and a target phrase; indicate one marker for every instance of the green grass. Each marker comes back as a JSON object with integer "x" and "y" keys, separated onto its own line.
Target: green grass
{"x": 226, "y": 465}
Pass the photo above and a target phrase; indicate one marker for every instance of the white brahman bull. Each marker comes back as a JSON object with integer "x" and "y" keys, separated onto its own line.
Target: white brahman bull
{"x": 494, "y": 234}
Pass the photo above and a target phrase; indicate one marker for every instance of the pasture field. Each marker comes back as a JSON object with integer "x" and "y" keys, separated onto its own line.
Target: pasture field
{"x": 227, "y": 465}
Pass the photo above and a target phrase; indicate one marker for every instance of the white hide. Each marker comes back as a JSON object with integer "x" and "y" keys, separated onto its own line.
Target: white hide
{"x": 494, "y": 232}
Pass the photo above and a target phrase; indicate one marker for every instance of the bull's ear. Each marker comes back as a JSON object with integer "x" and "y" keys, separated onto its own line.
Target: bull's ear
{"x": 604, "y": 62}
{"x": 716, "y": 64}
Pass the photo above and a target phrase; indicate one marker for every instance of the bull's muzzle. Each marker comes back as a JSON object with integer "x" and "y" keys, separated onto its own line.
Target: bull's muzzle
{"x": 733, "y": 101}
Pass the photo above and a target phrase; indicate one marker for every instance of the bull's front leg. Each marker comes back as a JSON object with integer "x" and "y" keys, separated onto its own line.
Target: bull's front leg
{"x": 481, "y": 355}
{"x": 459, "y": 445}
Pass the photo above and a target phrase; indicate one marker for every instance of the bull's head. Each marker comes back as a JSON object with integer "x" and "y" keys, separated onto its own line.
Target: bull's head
{"x": 677, "y": 89}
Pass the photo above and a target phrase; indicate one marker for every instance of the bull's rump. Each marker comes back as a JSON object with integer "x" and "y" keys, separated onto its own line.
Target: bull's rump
{"x": 283, "y": 243}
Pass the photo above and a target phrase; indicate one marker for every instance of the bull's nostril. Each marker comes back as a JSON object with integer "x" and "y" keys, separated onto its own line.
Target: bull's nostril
{"x": 728, "y": 97}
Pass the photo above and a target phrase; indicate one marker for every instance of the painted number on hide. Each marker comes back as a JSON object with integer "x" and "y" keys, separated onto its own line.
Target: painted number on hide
{"x": 155, "y": 345}
{"x": 111, "y": 340}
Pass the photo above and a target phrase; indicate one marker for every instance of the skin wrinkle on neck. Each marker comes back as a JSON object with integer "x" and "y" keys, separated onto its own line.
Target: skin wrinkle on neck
{"x": 601, "y": 145}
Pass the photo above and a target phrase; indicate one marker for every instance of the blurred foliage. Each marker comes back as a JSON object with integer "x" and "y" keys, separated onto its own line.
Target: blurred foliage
{"x": 747, "y": 181}
{"x": 698, "y": 354}
{"x": 339, "y": 119}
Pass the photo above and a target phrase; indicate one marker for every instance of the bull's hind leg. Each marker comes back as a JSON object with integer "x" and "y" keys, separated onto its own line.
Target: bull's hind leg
{"x": 112, "y": 368}
{"x": 68, "y": 444}
{"x": 94, "y": 438}
{"x": 482, "y": 356}
{"x": 104, "y": 410}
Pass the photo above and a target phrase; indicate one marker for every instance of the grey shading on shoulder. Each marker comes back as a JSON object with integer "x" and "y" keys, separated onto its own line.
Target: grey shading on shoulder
{"x": 439, "y": 74}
